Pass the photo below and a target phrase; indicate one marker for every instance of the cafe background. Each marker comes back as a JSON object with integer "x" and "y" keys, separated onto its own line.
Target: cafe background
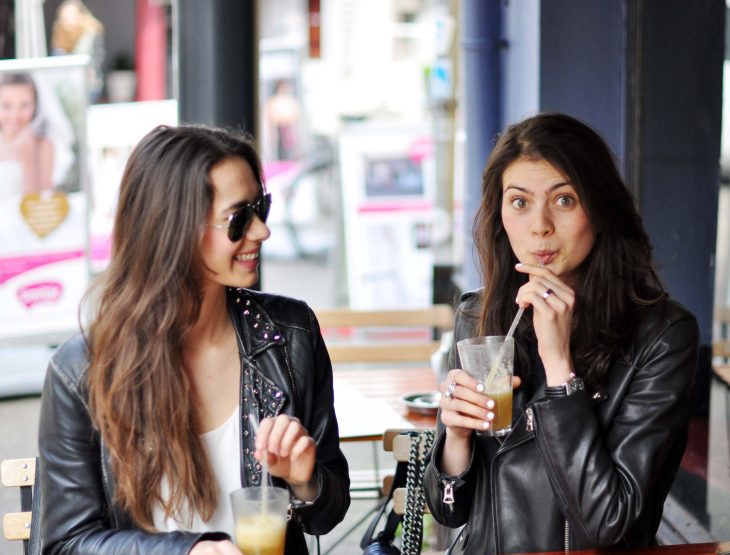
{"x": 365, "y": 113}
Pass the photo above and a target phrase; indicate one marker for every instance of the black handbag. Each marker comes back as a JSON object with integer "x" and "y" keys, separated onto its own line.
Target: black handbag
{"x": 382, "y": 543}
{"x": 410, "y": 475}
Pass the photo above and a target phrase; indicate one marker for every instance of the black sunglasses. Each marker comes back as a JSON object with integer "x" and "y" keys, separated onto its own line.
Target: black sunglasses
{"x": 240, "y": 220}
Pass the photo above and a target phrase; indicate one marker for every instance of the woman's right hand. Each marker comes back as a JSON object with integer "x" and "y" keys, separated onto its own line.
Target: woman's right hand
{"x": 208, "y": 547}
{"x": 464, "y": 405}
{"x": 465, "y": 408}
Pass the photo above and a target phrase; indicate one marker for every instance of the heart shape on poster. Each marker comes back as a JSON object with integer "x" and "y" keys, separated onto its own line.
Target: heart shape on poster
{"x": 44, "y": 212}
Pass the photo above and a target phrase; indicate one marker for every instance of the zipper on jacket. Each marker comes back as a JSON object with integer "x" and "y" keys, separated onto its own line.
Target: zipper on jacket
{"x": 530, "y": 417}
{"x": 567, "y": 536}
{"x": 448, "y": 491}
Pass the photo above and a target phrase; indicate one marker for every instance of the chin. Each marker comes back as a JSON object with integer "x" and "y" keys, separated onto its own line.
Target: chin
{"x": 245, "y": 282}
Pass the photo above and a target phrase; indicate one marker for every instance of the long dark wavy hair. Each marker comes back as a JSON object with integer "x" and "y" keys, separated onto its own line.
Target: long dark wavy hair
{"x": 617, "y": 278}
{"x": 140, "y": 397}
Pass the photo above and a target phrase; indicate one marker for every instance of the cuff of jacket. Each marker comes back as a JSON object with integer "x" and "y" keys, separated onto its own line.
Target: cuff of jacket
{"x": 310, "y": 514}
{"x": 209, "y": 536}
{"x": 438, "y": 449}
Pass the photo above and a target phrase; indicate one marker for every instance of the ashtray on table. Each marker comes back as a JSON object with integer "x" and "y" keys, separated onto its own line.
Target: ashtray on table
{"x": 422, "y": 403}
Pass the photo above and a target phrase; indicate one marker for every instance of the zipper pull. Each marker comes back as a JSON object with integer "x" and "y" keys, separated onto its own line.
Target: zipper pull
{"x": 530, "y": 419}
{"x": 448, "y": 492}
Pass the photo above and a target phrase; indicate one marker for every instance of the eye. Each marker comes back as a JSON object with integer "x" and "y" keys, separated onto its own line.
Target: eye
{"x": 518, "y": 203}
{"x": 565, "y": 201}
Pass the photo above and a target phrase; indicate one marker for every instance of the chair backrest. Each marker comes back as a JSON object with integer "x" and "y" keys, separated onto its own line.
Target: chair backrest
{"x": 373, "y": 335}
{"x": 399, "y": 443}
{"x": 20, "y": 473}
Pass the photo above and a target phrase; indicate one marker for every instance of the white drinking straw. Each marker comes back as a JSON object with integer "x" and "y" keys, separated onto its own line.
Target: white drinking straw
{"x": 510, "y": 333}
{"x": 253, "y": 418}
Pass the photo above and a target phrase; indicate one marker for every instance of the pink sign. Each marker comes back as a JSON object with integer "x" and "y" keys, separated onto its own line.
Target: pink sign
{"x": 43, "y": 292}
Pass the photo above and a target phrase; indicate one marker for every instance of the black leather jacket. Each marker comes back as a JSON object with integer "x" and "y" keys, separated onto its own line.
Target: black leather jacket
{"x": 285, "y": 367}
{"x": 601, "y": 460}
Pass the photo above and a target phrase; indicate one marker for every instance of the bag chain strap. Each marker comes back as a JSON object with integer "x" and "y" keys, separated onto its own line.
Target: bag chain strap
{"x": 415, "y": 496}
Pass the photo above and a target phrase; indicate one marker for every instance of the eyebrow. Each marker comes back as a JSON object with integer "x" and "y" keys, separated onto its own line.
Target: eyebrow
{"x": 550, "y": 190}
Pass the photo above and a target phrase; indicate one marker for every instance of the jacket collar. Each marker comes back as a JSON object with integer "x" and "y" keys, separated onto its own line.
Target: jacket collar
{"x": 255, "y": 329}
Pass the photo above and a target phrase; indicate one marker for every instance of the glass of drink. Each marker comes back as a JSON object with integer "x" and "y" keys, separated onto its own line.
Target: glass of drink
{"x": 490, "y": 360}
{"x": 260, "y": 515}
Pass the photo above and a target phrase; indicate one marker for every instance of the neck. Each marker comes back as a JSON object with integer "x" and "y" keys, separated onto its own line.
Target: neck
{"x": 214, "y": 324}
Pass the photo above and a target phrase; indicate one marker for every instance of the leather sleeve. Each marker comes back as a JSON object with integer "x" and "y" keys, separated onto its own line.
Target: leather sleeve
{"x": 75, "y": 517}
{"x": 457, "y": 513}
{"x": 603, "y": 479}
{"x": 333, "y": 499}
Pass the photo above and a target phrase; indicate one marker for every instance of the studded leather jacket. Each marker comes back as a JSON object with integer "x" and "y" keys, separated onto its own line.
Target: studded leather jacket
{"x": 587, "y": 470}
{"x": 285, "y": 369}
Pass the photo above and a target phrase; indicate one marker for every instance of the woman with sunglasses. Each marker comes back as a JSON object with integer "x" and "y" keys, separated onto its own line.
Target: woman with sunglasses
{"x": 148, "y": 418}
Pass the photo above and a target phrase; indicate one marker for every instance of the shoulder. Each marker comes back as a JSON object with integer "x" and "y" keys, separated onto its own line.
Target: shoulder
{"x": 663, "y": 315}
{"x": 666, "y": 326}
{"x": 468, "y": 313}
{"x": 70, "y": 363}
{"x": 470, "y": 305}
{"x": 284, "y": 311}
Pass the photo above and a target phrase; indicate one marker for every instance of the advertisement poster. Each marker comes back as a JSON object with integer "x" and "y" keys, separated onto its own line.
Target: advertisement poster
{"x": 391, "y": 222}
{"x": 113, "y": 131}
{"x": 44, "y": 269}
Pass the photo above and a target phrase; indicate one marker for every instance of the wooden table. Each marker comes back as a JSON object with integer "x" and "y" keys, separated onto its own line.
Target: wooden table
{"x": 368, "y": 402}
{"x": 721, "y": 548}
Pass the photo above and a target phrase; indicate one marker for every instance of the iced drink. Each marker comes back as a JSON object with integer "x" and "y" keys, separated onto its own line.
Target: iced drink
{"x": 502, "y": 411}
{"x": 490, "y": 360}
{"x": 261, "y": 534}
{"x": 260, "y": 515}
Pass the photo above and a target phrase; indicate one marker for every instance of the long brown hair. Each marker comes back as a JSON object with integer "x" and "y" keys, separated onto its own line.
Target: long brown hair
{"x": 617, "y": 278}
{"x": 140, "y": 397}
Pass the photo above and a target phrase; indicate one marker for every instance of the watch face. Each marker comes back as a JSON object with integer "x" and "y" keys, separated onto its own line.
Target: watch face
{"x": 576, "y": 384}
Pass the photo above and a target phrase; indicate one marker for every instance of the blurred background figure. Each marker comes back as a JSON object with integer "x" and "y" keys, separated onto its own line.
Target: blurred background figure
{"x": 26, "y": 153}
{"x": 77, "y": 31}
{"x": 282, "y": 117}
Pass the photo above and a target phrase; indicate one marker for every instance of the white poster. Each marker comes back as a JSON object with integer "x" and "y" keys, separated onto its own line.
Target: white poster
{"x": 391, "y": 222}
{"x": 43, "y": 214}
{"x": 113, "y": 132}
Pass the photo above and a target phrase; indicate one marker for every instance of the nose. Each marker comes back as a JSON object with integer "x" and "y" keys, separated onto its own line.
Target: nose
{"x": 258, "y": 230}
{"x": 542, "y": 222}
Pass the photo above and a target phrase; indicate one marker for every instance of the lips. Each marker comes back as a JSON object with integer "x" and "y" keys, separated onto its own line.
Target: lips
{"x": 544, "y": 257}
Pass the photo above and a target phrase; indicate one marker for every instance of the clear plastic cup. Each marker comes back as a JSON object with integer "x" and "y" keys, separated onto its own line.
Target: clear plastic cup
{"x": 490, "y": 360}
{"x": 260, "y": 524}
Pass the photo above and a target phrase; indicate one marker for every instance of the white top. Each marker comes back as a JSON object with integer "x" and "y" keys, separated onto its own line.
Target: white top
{"x": 222, "y": 447}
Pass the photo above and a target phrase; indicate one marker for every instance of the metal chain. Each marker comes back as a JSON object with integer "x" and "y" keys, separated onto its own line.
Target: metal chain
{"x": 415, "y": 496}
{"x": 407, "y": 547}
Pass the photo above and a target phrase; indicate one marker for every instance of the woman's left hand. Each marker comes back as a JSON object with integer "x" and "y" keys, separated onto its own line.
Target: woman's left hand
{"x": 290, "y": 451}
{"x": 552, "y": 304}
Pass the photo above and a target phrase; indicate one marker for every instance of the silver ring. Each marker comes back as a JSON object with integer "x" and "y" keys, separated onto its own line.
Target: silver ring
{"x": 547, "y": 293}
{"x": 450, "y": 391}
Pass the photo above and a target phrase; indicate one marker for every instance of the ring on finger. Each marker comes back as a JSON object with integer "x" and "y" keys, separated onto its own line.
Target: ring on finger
{"x": 547, "y": 293}
{"x": 450, "y": 391}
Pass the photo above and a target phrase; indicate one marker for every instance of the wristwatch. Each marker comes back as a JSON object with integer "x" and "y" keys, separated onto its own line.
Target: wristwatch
{"x": 573, "y": 384}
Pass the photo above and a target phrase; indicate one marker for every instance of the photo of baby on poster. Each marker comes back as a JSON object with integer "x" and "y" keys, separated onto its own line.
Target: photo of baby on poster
{"x": 43, "y": 223}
